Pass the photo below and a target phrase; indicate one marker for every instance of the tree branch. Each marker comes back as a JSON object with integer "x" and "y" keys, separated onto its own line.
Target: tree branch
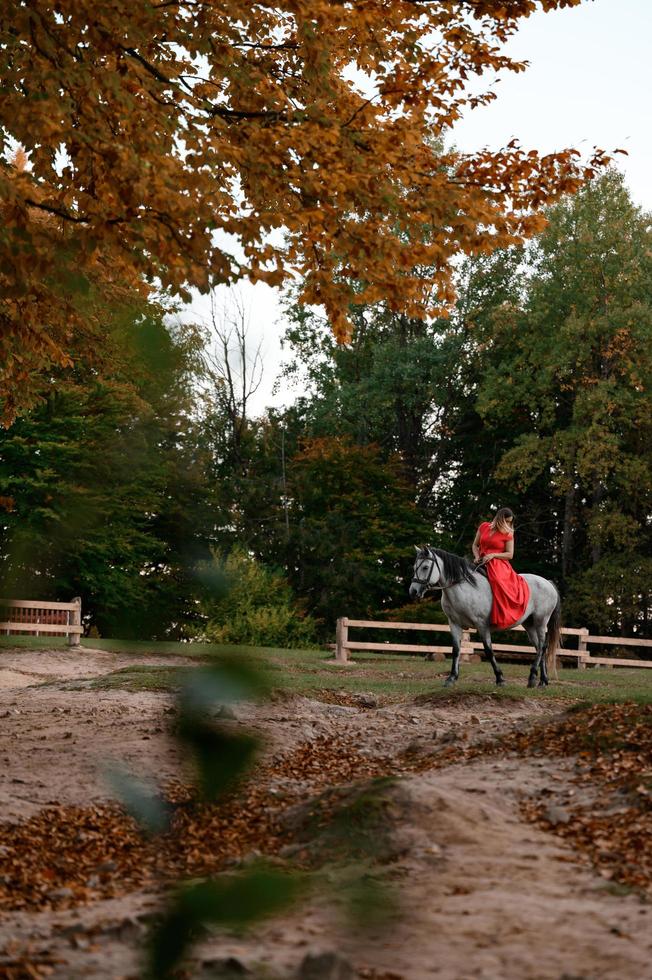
{"x": 58, "y": 211}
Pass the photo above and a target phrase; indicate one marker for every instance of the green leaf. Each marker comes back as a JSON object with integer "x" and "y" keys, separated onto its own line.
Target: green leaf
{"x": 221, "y": 758}
{"x": 228, "y": 681}
{"x": 141, "y": 800}
{"x": 74, "y": 282}
{"x": 222, "y": 901}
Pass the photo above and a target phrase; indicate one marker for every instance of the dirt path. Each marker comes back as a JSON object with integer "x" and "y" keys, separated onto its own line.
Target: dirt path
{"x": 56, "y": 743}
{"x": 482, "y": 893}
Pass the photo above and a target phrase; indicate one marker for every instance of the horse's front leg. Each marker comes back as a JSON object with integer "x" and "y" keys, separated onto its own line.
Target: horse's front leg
{"x": 485, "y": 636}
{"x": 456, "y": 637}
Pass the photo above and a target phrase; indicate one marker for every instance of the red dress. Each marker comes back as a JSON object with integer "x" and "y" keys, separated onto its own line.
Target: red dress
{"x": 510, "y": 590}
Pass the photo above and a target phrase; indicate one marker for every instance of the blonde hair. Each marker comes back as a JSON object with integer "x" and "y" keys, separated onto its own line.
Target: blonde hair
{"x": 501, "y": 520}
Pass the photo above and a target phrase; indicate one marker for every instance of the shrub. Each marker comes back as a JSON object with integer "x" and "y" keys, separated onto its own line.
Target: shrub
{"x": 255, "y": 605}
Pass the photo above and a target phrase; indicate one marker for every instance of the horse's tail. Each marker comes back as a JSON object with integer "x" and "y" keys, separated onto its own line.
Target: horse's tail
{"x": 553, "y": 639}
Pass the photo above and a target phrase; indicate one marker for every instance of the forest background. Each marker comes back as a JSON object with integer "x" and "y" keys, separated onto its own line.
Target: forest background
{"x": 153, "y": 493}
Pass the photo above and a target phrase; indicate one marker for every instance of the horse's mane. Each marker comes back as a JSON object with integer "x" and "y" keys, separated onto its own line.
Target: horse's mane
{"x": 456, "y": 569}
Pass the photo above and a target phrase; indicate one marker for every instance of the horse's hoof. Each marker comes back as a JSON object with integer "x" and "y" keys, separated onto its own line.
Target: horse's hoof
{"x": 500, "y": 682}
{"x": 543, "y": 683}
{"x": 449, "y": 681}
{"x": 532, "y": 682}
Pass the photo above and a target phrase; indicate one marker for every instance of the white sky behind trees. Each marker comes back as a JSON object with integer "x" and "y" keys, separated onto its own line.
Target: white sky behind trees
{"x": 589, "y": 84}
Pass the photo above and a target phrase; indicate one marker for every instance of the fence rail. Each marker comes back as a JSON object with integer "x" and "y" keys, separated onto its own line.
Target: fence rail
{"x": 37, "y": 616}
{"x": 581, "y": 655}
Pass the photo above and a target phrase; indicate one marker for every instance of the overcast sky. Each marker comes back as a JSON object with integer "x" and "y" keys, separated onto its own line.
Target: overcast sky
{"x": 589, "y": 84}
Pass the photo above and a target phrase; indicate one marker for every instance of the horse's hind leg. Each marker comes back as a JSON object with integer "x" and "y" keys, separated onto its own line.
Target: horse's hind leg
{"x": 537, "y": 635}
{"x": 485, "y": 636}
{"x": 543, "y": 642}
{"x": 456, "y": 637}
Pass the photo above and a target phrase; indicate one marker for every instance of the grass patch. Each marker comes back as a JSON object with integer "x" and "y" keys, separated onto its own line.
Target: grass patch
{"x": 388, "y": 677}
{"x": 32, "y": 642}
{"x": 346, "y": 823}
{"x": 404, "y": 678}
{"x": 140, "y": 677}
{"x": 309, "y": 673}
{"x": 619, "y": 889}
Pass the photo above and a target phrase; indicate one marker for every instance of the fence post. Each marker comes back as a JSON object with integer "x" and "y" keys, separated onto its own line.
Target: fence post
{"x": 582, "y": 649}
{"x": 341, "y": 639}
{"x": 74, "y": 638}
{"x": 465, "y": 648}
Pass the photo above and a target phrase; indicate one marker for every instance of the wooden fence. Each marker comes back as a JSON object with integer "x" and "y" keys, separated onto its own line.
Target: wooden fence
{"x": 37, "y": 617}
{"x": 581, "y": 655}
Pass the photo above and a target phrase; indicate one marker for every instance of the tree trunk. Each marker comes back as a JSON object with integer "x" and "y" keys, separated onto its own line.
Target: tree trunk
{"x": 599, "y": 492}
{"x": 567, "y": 534}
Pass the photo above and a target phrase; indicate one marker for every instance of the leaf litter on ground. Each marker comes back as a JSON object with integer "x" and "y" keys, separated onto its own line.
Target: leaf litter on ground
{"x": 68, "y": 855}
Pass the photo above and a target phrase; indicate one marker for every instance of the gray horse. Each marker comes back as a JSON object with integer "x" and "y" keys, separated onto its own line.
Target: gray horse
{"x": 466, "y": 599}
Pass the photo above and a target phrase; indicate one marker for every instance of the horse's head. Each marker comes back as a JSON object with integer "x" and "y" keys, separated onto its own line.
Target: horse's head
{"x": 426, "y": 572}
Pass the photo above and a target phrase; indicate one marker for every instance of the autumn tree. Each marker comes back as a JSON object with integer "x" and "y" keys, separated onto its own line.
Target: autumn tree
{"x": 410, "y": 387}
{"x": 175, "y": 141}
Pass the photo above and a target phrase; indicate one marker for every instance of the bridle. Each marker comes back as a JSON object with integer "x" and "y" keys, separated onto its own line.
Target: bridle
{"x": 432, "y": 562}
{"x": 429, "y": 559}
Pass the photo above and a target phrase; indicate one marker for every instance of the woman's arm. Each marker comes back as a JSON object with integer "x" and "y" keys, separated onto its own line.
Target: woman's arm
{"x": 506, "y": 555}
{"x": 475, "y": 547}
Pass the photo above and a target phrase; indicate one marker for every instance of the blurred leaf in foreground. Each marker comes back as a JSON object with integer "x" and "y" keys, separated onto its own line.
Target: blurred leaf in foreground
{"x": 230, "y": 901}
{"x": 142, "y": 801}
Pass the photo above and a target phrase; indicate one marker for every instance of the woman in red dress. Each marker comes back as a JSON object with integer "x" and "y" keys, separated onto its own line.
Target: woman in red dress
{"x": 493, "y": 546}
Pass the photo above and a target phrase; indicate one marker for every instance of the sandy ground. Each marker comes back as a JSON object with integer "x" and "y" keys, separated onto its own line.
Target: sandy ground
{"x": 482, "y": 893}
{"x": 56, "y": 744}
